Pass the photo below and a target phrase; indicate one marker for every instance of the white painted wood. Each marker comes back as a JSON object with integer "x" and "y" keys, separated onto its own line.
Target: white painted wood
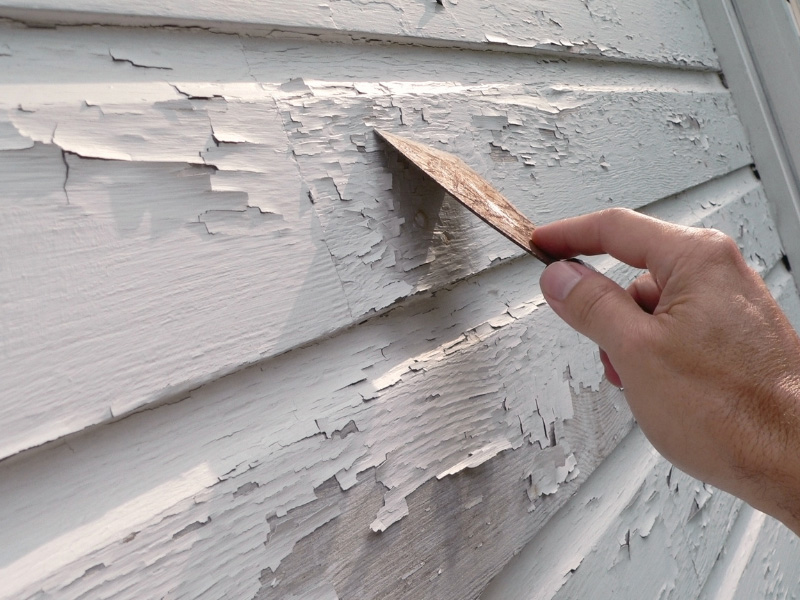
{"x": 725, "y": 578}
{"x": 767, "y": 130}
{"x": 636, "y": 529}
{"x": 619, "y": 30}
{"x": 772, "y": 570}
{"x": 271, "y": 361}
{"x": 224, "y": 488}
{"x": 774, "y": 44}
{"x": 199, "y": 197}
{"x": 760, "y": 563}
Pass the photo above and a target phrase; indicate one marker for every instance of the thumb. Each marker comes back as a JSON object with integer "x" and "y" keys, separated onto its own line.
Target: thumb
{"x": 590, "y": 303}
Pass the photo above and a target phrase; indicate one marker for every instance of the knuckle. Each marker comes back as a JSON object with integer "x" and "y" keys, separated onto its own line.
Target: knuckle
{"x": 633, "y": 344}
{"x": 616, "y": 213}
{"x": 715, "y": 244}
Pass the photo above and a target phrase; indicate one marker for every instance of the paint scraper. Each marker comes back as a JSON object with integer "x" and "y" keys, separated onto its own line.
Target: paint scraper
{"x": 469, "y": 188}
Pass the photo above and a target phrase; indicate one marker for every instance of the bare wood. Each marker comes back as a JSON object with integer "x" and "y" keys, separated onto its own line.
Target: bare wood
{"x": 472, "y": 190}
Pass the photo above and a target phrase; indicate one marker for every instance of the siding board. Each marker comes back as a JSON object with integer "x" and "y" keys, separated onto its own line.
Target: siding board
{"x": 631, "y": 31}
{"x": 186, "y": 168}
{"x": 761, "y": 561}
{"x": 652, "y": 532}
{"x": 261, "y": 357}
{"x": 428, "y": 410}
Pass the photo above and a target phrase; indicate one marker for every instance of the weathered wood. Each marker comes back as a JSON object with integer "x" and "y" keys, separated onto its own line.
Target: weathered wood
{"x": 462, "y": 182}
{"x": 180, "y": 203}
{"x": 620, "y": 30}
{"x": 198, "y": 197}
{"x": 438, "y": 399}
{"x": 636, "y": 528}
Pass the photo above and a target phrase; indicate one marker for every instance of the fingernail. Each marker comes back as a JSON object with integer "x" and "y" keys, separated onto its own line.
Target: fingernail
{"x": 559, "y": 278}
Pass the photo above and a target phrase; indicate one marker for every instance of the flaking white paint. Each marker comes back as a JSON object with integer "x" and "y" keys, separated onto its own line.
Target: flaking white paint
{"x": 212, "y": 140}
{"x": 310, "y": 373}
{"x": 643, "y": 31}
{"x": 464, "y": 396}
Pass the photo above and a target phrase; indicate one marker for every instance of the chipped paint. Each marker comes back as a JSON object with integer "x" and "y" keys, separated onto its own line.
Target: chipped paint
{"x": 642, "y": 31}
{"x": 264, "y": 347}
{"x": 429, "y": 392}
{"x": 184, "y": 158}
{"x": 628, "y": 532}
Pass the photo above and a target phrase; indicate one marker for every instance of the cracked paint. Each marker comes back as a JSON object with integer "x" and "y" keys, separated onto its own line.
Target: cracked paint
{"x": 285, "y": 314}
{"x": 617, "y": 31}
{"x": 430, "y": 419}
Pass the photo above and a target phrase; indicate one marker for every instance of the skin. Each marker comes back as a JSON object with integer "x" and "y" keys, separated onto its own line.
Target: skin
{"x": 709, "y": 363}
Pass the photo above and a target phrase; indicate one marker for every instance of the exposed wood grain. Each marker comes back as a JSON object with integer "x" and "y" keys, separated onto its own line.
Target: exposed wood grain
{"x": 473, "y": 191}
{"x": 637, "y": 528}
{"x": 621, "y": 30}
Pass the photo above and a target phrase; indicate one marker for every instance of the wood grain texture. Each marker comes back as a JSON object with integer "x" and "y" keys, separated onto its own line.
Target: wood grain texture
{"x": 473, "y": 191}
{"x": 619, "y": 30}
{"x": 203, "y": 202}
{"x": 654, "y": 532}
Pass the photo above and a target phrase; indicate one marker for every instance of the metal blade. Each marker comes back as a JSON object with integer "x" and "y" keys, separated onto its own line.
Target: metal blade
{"x": 472, "y": 190}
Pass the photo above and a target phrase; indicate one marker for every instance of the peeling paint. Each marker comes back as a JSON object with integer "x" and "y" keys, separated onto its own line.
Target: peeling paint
{"x": 450, "y": 384}
{"x": 221, "y": 103}
{"x": 317, "y": 340}
{"x": 643, "y": 32}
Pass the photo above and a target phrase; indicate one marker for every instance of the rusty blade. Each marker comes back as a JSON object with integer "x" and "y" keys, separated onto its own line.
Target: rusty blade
{"x": 472, "y": 190}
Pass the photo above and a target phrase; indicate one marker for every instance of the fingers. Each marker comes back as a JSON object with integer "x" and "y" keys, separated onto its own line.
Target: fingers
{"x": 611, "y": 373}
{"x": 645, "y": 292}
{"x": 592, "y": 304}
{"x": 626, "y": 235}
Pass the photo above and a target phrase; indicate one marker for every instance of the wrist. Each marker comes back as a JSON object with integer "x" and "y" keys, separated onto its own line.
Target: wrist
{"x": 769, "y": 465}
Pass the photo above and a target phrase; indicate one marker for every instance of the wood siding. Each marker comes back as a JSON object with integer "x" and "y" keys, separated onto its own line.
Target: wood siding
{"x": 250, "y": 353}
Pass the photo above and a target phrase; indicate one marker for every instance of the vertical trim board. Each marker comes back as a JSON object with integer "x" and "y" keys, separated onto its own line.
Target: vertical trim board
{"x": 763, "y": 130}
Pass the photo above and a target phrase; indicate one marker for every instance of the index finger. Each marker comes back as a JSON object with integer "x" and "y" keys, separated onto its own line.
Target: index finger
{"x": 624, "y": 234}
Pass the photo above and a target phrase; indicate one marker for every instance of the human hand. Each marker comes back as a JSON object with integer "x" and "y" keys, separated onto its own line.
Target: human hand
{"x": 709, "y": 363}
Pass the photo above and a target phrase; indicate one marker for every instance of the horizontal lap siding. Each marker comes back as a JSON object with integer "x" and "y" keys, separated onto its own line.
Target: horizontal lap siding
{"x": 354, "y": 388}
{"x": 204, "y": 202}
{"x": 301, "y": 447}
{"x": 659, "y": 32}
